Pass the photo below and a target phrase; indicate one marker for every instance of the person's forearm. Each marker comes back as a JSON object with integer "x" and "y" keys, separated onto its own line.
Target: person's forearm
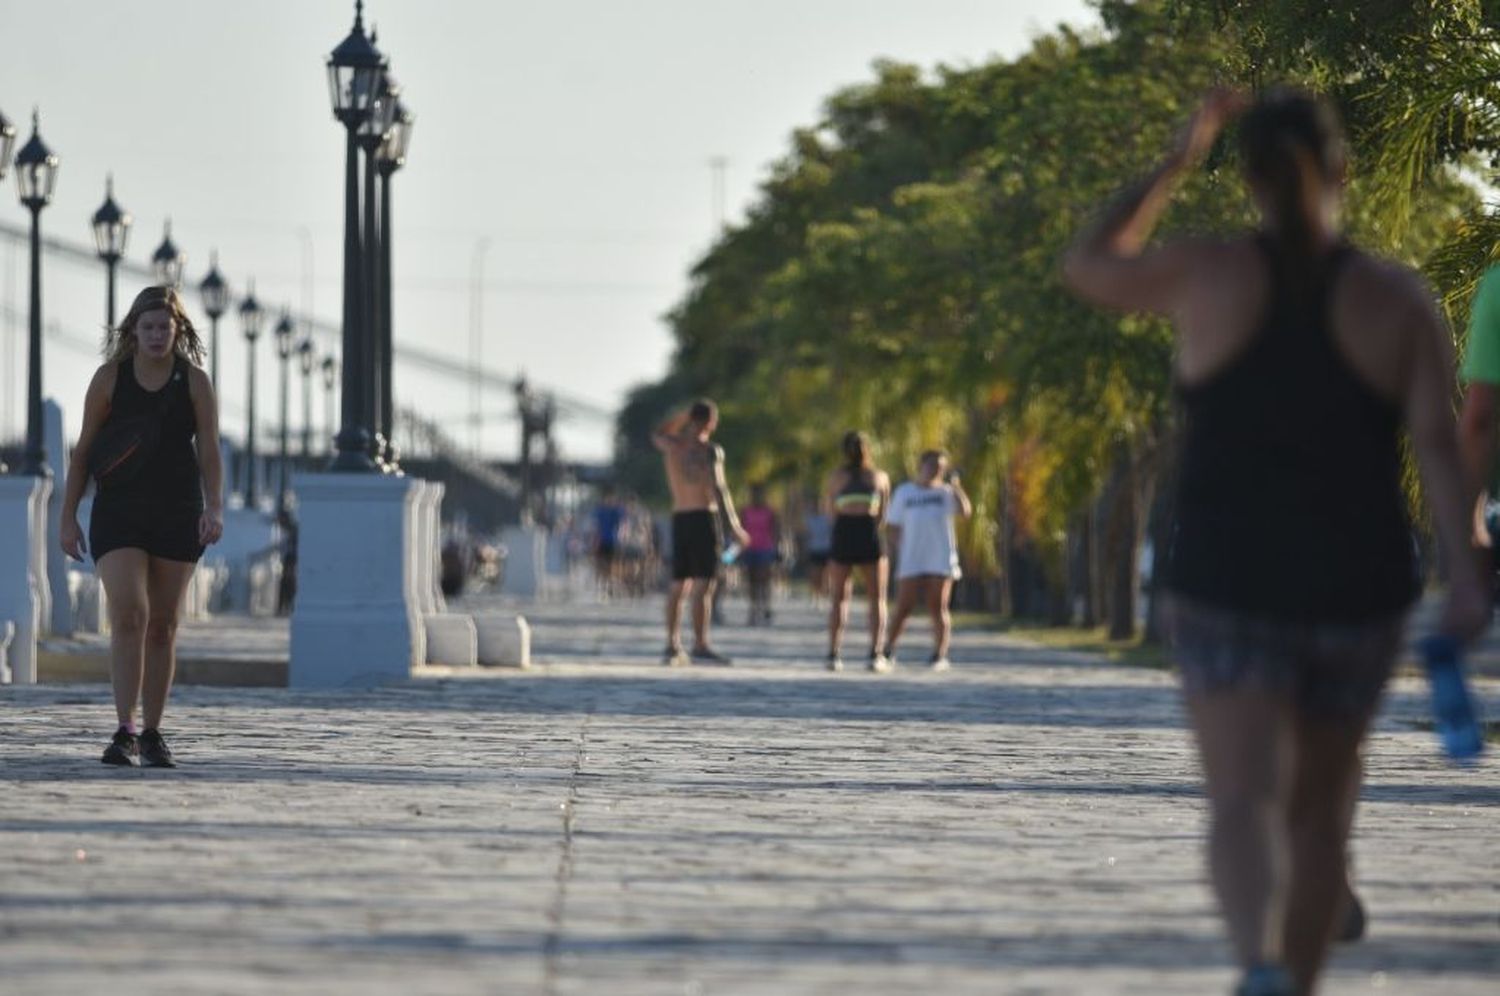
{"x": 211, "y": 464}
{"x": 1476, "y": 443}
{"x": 1449, "y": 498}
{"x": 77, "y": 482}
{"x": 672, "y": 424}
{"x": 1126, "y": 224}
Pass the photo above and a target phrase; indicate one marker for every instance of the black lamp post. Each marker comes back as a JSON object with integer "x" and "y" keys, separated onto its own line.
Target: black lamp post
{"x": 392, "y": 157}
{"x": 330, "y": 368}
{"x": 250, "y": 319}
{"x": 354, "y": 70}
{"x": 372, "y": 138}
{"x": 215, "y": 291}
{"x": 286, "y": 336}
{"x": 111, "y": 232}
{"x": 36, "y": 178}
{"x": 307, "y": 358}
{"x": 168, "y": 261}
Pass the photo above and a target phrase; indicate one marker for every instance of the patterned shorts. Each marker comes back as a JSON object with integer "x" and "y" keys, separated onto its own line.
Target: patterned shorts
{"x": 1329, "y": 670}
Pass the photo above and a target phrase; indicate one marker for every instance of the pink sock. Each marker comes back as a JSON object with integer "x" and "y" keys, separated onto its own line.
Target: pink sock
{"x": 129, "y": 727}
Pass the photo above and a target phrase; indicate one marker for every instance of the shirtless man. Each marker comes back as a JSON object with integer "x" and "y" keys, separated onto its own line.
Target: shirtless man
{"x": 695, "y": 472}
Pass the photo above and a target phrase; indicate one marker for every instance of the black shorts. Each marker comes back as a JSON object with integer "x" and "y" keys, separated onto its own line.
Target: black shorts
{"x": 856, "y": 540}
{"x": 695, "y": 545}
{"x": 818, "y": 558}
{"x": 169, "y": 532}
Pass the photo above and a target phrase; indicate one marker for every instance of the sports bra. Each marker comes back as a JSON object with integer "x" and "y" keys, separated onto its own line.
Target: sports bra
{"x": 857, "y": 491}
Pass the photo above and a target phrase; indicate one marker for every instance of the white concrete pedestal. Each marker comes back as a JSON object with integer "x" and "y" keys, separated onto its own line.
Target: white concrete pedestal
{"x": 23, "y": 568}
{"x": 354, "y": 624}
{"x": 525, "y": 561}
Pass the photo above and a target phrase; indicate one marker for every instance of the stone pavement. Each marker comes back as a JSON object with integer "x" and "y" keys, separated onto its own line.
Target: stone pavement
{"x": 1027, "y": 823}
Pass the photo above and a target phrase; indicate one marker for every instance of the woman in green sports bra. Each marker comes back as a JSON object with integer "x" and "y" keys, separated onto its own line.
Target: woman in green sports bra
{"x": 857, "y": 495}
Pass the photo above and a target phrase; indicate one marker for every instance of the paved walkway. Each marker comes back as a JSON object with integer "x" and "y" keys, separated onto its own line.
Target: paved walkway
{"x": 1027, "y": 823}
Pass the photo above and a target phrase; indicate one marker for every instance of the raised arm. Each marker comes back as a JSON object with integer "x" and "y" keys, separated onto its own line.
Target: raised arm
{"x": 960, "y": 496}
{"x": 210, "y": 455}
{"x": 669, "y": 433}
{"x": 1109, "y": 263}
{"x": 95, "y": 411}
{"x": 1429, "y": 415}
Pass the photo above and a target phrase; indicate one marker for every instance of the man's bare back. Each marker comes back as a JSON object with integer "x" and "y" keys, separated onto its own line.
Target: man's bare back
{"x": 692, "y": 473}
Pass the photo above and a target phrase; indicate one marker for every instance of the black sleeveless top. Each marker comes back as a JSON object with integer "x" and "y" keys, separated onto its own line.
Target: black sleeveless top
{"x": 171, "y": 476}
{"x": 1289, "y": 498}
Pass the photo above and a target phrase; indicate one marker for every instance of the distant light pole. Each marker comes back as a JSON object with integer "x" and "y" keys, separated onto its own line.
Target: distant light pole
{"x": 250, "y": 320}
{"x": 330, "y": 368}
{"x": 392, "y": 156}
{"x": 168, "y": 261}
{"x": 215, "y": 291}
{"x": 7, "y": 143}
{"x": 111, "y": 232}
{"x": 307, "y": 358}
{"x": 354, "y": 70}
{"x": 36, "y": 179}
{"x": 286, "y": 338}
{"x": 372, "y": 137}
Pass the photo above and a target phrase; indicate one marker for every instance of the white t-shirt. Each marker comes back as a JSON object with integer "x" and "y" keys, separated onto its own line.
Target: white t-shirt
{"x": 925, "y": 516}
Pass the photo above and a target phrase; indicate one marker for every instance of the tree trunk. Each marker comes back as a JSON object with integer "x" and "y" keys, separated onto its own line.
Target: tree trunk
{"x": 1121, "y": 543}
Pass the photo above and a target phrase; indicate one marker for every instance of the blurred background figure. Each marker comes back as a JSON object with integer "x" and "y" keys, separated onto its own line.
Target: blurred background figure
{"x": 761, "y": 553}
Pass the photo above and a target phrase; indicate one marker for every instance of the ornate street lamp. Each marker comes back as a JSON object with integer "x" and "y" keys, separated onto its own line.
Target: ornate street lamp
{"x": 372, "y": 137}
{"x": 215, "y": 291}
{"x": 392, "y": 156}
{"x": 307, "y": 358}
{"x": 330, "y": 368}
{"x": 168, "y": 261}
{"x": 36, "y": 179}
{"x": 354, "y": 70}
{"x": 250, "y": 321}
{"x": 111, "y": 232}
{"x": 286, "y": 339}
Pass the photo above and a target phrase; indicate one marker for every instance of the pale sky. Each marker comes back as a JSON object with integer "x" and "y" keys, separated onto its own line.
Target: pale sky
{"x": 574, "y": 136}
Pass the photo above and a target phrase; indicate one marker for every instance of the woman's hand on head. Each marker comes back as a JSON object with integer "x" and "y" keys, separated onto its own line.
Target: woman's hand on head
{"x": 210, "y": 527}
{"x": 1219, "y": 106}
{"x": 70, "y": 538}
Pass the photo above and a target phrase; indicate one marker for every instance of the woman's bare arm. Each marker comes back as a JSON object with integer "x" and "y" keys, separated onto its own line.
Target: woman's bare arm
{"x": 1434, "y": 435}
{"x": 95, "y": 410}
{"x": 210, "y": 455}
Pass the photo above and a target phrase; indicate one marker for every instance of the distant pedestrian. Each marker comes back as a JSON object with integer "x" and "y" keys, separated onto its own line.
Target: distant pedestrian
{"x": 695, "y": 473}
{"x": 921, "y": 520}
{"x": 1300, "y": 360}
{"x": 609, "y": 518}
{"x": 857, "y": 495}
{"x": 150, "y": 439}
{"x": 763, "y": 526}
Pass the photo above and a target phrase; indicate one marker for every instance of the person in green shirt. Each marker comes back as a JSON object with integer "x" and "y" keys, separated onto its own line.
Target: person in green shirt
{"x": 1481, "y": 376}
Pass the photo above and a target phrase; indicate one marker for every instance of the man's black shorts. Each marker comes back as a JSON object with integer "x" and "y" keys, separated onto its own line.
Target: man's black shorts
{"x": 695, "y": 545}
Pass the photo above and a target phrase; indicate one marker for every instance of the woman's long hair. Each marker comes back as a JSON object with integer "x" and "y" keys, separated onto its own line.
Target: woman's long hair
{"x": 120, "y": 342}
{"x": 1292, "y": 147}
{"x": 857, "y": 459}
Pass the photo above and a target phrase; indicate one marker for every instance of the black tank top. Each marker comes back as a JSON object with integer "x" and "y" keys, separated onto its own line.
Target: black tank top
{"x": 1289, "y": 498}
{"x": 171, "y": 475}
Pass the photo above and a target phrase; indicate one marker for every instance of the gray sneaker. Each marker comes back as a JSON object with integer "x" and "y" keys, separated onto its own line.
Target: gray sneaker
{"x": 835, "y": 662}
{"x": 881, "y": 664}
{"x": 937, "y": 663}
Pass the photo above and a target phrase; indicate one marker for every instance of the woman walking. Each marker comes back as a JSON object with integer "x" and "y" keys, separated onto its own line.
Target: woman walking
{"x": 150, "y": 437}
{"x": 921, "y": 515}
{"x": 857, "y": 494}
{"x": 1300, "y": 360}
{"x": 763, "y": 526}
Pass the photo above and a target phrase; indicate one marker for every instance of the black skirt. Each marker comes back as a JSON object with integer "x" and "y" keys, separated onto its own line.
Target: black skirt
{"x": 856, "y": 540}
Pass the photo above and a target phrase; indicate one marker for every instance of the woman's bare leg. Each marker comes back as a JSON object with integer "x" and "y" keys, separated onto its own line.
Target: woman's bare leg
{"x": 908, "y": 591}
{"x": 123, "y": 573}
{"x": 838, "y": 607}
{"x": 1246, "y": 743}
{"x": 166, "y": 584}
{"x": 1321, "y": 813}
{"x": 875, "y": 581}
{"x": 939, "y": 591}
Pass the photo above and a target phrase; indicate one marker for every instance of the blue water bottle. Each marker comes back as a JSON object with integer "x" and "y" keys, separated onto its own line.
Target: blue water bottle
{"x": 1453, "y": 707}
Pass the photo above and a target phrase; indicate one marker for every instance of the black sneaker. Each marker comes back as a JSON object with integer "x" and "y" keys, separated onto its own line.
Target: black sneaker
{"x": 1352, "y": 925}
{"x": 154, "y": 751}
{"x": 675, "y": 657}
{"x": 703, "y": 655}
{"x": 835, "y": 662}
{"x": 124, "y": 750}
